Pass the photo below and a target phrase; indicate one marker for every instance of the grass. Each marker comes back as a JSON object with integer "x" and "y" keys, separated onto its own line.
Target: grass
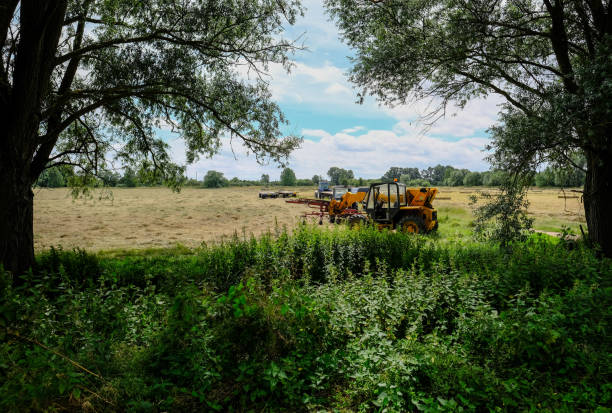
{"x": 340, "y": 320}
{"x": 150, "y": 218}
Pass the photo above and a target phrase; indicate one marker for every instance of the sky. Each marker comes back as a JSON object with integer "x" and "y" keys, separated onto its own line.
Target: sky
{"x": 319, "y": 104}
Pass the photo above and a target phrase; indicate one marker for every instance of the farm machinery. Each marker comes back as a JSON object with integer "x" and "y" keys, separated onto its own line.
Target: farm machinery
{"x": 341, "y": 205}
{"x": 392, "y": 205}
{"x": 277, "y": 194}
{"x": 388, "y": 205}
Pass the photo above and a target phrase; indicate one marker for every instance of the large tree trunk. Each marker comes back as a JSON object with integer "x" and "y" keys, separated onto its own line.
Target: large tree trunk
{"x": 40, "y": 27}
{"x": 598, "y": 199}
{"x": 16, "y": 220}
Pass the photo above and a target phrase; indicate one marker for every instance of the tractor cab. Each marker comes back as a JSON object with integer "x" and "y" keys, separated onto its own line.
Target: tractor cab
{"x": 338, "y": 191}
{"x": 384, "y": 201}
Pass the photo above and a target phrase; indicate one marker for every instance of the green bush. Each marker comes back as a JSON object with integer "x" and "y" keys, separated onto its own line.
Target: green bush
{"x": 347, "y": 320}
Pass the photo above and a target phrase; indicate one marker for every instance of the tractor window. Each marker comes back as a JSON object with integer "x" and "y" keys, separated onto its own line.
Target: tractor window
{"x": 338, "y": 192}
{"x": 372, "y": 195}
{"x": 402, "y": 194}
{"x": 378, "y": 196}
{"x": 383, "y": 195}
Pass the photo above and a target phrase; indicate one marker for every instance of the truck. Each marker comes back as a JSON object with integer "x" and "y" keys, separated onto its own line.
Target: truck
{"x": 323, "y": 191}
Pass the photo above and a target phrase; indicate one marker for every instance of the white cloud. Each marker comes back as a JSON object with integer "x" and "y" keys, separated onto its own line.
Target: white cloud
{"x": 354, "y": 129}
{"x": 368, "y": 154}
{"x": 479, "y": 114}
{"x": 338, "y": 89}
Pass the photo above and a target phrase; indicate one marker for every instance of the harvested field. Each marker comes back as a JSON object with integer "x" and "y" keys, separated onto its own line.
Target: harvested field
{"x": 157, "y": 217}
{"x": 549, "y": 210}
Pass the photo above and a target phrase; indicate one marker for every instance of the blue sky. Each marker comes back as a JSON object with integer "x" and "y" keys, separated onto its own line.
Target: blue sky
{"x": 319, "y": 103}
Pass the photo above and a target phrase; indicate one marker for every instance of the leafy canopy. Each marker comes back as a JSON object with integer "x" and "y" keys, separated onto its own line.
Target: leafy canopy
{"x": 287, "y": 177}
{"x": 123, "y": 69}
{"x": 548, "y": 59}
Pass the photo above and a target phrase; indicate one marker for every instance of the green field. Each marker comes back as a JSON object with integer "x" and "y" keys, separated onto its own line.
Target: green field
{"x": 317, "y": 319}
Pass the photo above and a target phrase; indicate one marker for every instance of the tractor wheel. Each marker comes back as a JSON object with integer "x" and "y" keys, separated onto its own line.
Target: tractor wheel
{"x": 435, "y": 228}
{"x": 411, "y": 224}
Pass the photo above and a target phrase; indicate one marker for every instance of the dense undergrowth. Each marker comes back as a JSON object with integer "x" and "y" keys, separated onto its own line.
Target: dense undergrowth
{"x": 314, "y": 320}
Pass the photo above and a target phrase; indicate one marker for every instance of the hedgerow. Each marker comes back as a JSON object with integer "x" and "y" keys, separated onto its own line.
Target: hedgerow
{"x": 361, "y": 320}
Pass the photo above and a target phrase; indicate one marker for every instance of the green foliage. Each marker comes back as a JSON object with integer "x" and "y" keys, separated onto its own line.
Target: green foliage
{"x": 503, "y": 218}
{"x": 549, "y": 61}
{"x": 55, "y": 177}
{"x": 455, "y": 177}
{"x": 110, "y": 178}
{"x": 304, "y": 182}
{"x": 472, "y": 179}
{"x": 494, "y": 178}
{"x": 340, "y": 176}
{"x": 396, "y": 173}
{"x": 287, "y": 177}
{"x": 51, "y": 178}
{"x": 265, "y": 179}
{"x": 214, "y": 179}
{"x": 345, "y": 320}
{"x": 405, "y": 179}
{"x": 560, "y": 177}
{"x": 129, "y": 178}
{"x": 112, "y": 73}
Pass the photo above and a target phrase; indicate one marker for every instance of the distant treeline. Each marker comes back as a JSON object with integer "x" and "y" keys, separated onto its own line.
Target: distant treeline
{"x": 439, "y": 175}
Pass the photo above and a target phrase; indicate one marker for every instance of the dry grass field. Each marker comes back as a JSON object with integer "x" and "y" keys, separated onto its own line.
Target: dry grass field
{"x": 157, "y": 217}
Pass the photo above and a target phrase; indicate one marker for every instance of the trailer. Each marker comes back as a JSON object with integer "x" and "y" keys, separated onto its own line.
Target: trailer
{"x": 268, "y": 194}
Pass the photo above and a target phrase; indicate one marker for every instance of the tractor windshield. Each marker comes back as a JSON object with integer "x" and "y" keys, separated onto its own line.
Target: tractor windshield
{"x": 378, "y": 196}
{"x": 339, "y": 191}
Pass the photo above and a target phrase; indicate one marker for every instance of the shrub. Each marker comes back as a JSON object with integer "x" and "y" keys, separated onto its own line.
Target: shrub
{"x": 347, "y": 320}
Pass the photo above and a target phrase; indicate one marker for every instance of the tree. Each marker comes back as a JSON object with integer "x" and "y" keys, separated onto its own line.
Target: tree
{"x": 339, "y": 176}
{"x": 287, "y": 177}
{"x": 82, "y": 79}
{"x": 316, "y": 179}
{"x": 494, "y": 178}
{"x": 455, "y": 177}
{"x": 414, "y": 183}
{"x": 51, "y": 178}
{"x": 472, "y": 179}
{"x": 396, "y": 173}
{"x": 304, "y": 182}
{"x": 436, "y": 174}
{"x": 214, "y": 179}
{"x": 554, "y": 176}
{"x": 265, "y": 179}
{"x": 109, "y": 178}
{"x": 548, "y": 59}
{"x": 129, "y": 178}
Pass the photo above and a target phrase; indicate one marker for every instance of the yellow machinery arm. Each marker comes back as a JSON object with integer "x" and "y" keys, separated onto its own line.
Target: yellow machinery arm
{"x": 348, "y": 199}
{"x": 418, "y": 197}
{"x": 415, "y": 196}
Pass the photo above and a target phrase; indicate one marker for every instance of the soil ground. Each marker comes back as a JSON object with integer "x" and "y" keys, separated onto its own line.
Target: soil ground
{"x": 157, "y": 217}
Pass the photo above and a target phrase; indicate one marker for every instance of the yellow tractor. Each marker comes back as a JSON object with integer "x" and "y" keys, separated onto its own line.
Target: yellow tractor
{"x": 388, "y": 205}
{"x": 392, "y": 205}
